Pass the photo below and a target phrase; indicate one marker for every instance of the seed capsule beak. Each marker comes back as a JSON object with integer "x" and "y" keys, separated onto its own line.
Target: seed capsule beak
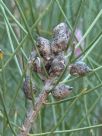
{"x": 70, "y": 66}
{"x": 90, "y": 70}
{"x": 48, "y": 58}
{"x": 70, "y": 88}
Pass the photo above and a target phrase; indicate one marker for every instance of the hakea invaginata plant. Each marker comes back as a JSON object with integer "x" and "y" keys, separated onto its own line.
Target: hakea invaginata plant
{"x": 54, "y": 60}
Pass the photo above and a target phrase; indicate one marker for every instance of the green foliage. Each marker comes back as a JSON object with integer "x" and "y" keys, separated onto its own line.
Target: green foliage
{"x": 20, "y": 24}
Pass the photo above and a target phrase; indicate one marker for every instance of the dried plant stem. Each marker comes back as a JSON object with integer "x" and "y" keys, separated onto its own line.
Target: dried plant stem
{"x": 32, "y": 114}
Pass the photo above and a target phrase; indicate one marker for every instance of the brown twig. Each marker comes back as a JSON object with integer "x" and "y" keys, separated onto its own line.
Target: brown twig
{"x": 32, "y": 114}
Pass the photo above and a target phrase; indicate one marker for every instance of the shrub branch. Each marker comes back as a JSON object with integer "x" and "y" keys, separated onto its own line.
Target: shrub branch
{"x": 32, "y": 114}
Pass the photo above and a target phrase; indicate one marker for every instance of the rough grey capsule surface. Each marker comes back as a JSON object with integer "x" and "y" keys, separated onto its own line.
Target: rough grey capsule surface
{"x": 60, "y": 38}
{"x": 29, "y": 88}
{"x": 61, "y": 91}
{"x": 44, "y": 47}
{"x": 57, "y": 65}
{"x": 79, "y": 68}
{"x": 59, "y": 43}
{"x": 62, "y": 27}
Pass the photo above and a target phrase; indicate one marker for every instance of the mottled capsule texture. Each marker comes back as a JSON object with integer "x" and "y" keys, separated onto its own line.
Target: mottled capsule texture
{"x": 29, "y": 88}
{"x": 44, "y": 47}
{"x": 57, "y": 65}
{"x": 60, "y": 39}
{"x": 61, "y": 91}
{"x": 79, "y": 68}
{"x": 62, "y": 27}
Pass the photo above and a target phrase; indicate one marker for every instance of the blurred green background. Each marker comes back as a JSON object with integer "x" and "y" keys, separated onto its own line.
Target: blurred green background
{"x": 18, "y": 33}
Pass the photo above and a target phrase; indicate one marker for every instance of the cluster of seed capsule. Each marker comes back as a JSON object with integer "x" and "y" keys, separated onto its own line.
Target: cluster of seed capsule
{"x": 52, "y": 56}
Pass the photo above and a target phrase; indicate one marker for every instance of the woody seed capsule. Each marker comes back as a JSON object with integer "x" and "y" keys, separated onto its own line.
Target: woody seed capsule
{"x": 79, "y": 68}
{"x": 44, "y": 47}
{"x": 29, "y": 88}
{"x": 60, "y": 39}
{"x": 62, "y": 27}
{"x": 57, "y": 65}
{"x": 61, "y": 91}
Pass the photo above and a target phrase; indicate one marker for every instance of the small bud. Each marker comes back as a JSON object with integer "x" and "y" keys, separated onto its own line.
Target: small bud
{"x": 31, "y": 59}
{"x": 32, "y": 56}
{"x": 79, "y": 68}
{"x": 44, "y": 47}
{"x": 36, "y": 65}
{"x": 61, "y": 91}
{"x": 61, "y": 37}
{"x": 57, "y": 65}
{"x": 1, "y": 54}
{"x": 29, "y": 88}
